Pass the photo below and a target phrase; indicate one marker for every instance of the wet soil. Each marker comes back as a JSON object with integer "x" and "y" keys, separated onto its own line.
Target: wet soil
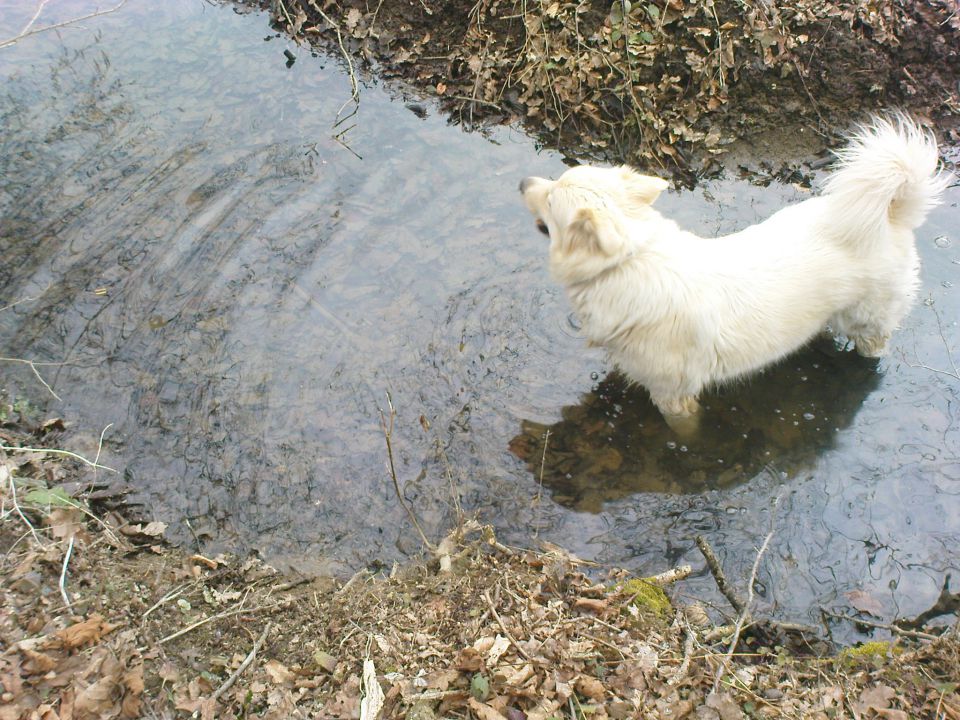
{"x": 672, "y": 84}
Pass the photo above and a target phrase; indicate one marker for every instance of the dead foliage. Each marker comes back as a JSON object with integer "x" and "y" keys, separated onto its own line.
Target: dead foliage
{"x": 483, "y": 631}
{"x": 666, "y": 82}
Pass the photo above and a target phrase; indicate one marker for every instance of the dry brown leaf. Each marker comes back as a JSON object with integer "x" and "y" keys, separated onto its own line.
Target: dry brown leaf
{"x": 84, "y": 632}
{"x": 64, "y": 523}
{"x": 38, "y": 662}
{"x": 168, "y": 672}
{"x": 497, "y": 649}
{"x": 590, "y": 687}
{"x": 98, "y": 699}
{"x": 279, "y": 673}
{"x": 346, "y": 703}
{"x": 441, "y": 679}
{"x": 45, "y": 712}
{"x": 469, "y": 660}
{"x": 865, "y": 602}
{"x": 875, "y": 698}
{"x": 725, "y": 705}
{"x": 483, "y": 711}
{"x": 598, "y": 607}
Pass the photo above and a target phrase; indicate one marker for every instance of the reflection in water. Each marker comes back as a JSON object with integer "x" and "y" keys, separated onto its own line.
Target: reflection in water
{"x": 234, "y": 293}
{"x": 614, "y": 442}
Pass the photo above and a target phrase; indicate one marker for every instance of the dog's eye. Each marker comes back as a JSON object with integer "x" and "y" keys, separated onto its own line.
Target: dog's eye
{"x": 542, "y": 227}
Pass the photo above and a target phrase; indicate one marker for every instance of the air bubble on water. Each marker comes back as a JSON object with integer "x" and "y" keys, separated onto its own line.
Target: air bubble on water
{"x": 594, "y": 375}
{"x": 809, "y": 416}
{"x": 942, "y": 242}
{"x": 796, "y": 422}
{"x": 671, "y": 445}
{"x": 683, "y": 448}
{"x": 803, "y": 378}
{"x": 947, "y": 284}
{"x": 777, "y": 410}
{"x": 732, "y": 511}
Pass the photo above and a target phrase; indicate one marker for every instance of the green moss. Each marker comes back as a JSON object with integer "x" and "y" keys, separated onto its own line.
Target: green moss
{"x": 874, "y": 652}
{"x": 646, "y": 596}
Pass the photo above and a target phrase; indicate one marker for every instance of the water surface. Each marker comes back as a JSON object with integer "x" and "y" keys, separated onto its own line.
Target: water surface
{"x": 234, "y": 286}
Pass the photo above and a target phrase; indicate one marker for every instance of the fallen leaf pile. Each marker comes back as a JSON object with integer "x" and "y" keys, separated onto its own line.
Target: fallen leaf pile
{"x": 653, "y": 81}
{"x": 100, "y": 619}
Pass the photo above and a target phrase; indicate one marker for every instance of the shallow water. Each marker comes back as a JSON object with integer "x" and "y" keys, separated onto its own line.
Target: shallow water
{"x": 235, "y": 291}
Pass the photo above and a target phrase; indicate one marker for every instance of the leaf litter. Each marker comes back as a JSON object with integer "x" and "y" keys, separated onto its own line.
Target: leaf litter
{"x": 485, "y": 631}
{"x": 674, "y": 85}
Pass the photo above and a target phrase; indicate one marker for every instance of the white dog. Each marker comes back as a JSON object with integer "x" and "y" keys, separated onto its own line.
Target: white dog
{"x": 678, "y": 312}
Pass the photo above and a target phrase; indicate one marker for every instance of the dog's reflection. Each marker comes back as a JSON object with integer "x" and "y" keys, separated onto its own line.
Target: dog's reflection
{"x": 615, "y": 442}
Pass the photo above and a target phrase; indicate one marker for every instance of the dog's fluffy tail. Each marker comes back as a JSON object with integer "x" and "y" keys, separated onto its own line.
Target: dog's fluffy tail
{"x": 887, "y": 175}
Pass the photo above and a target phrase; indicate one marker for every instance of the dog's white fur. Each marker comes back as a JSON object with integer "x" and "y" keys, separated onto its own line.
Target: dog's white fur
{"x": 678, "y": 312}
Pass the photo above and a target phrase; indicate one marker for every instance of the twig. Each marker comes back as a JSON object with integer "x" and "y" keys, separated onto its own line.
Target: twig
{"x": 503, "y": 626}
{"x": 745, "y": 613}
{"x": 16, "y": 506}
{"x": 228, "y": 683}
{"x": 916, "y": 635}
{"x": 25, "y": 300}
{"x": 286, "y": 14}
{"x": 100, "y": 444}
{"x": 354, "y": 86}
{"x": 670, "y": 576}
{"x": 50, "y": 451}
{"x": 476, "y": 100}
{"x": 33, "y": 366}
{"x": 714, "y": 564}
{"x": 543, "y": 462}
{"x": 63, "y": 573}
{"x": 359, "y": 575}
{"x": 956, "y": 373}
{"x": 454, "y": 493}
{"x": 27, "y": 32}
{"x": 283, "y": 587}
{"x": 388, "y": 436}
{"x": 684, "y": 668}
{"x": 220, "y": 616}
{"x": 167, "y": 598}
{"x": 36, "y": 15}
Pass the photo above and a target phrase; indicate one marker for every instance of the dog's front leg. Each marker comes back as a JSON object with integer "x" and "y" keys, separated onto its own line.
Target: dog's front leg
{"x": 871, "y": 346}
{"x": 682, "y": 414}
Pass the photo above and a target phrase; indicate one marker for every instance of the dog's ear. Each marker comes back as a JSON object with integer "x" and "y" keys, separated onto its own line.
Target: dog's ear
{"x": 596, "y": 231}
{"x": 642, "y": 189}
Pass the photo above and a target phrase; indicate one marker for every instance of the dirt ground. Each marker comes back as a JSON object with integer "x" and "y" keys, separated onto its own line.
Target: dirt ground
{"x": 674, "y": 86}
{"x": 100, "y": 619}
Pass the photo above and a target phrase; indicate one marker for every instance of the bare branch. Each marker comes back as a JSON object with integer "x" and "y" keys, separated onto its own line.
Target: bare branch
{"x": 27, "y": 31}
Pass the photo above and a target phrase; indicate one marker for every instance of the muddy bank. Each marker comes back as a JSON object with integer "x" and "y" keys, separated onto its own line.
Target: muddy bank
{"x": 101, "y": 619}
{"x": 669, "y": 84}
